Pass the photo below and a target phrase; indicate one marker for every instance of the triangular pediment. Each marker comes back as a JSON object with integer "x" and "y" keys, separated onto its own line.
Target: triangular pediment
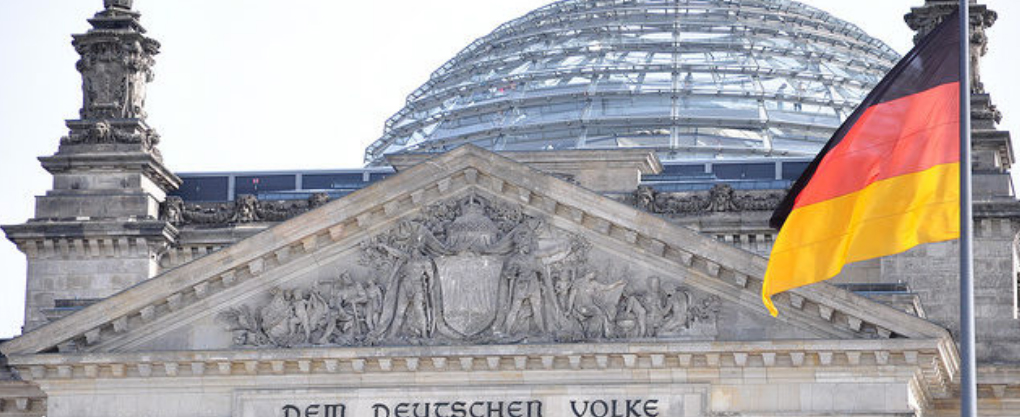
{"x": 466, "y": 248}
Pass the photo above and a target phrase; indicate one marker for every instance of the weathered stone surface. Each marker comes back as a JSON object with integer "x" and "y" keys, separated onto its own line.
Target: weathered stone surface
{"x": 474, "y": 282}
{"x": 96, "y": 232}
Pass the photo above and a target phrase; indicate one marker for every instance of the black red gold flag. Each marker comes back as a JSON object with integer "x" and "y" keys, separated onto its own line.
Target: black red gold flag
{"x": 887, "y": 181}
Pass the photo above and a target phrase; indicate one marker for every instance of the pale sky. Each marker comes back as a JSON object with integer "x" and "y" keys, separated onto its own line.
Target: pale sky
{"x": 296, "y": 84}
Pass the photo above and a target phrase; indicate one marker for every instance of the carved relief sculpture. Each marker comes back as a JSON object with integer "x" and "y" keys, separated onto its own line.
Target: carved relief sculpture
{"x": 245, "y": 209}
{"x": 116, "y": 66}
{"x": 471, "y": 271}
{"x": 721, "y": 198}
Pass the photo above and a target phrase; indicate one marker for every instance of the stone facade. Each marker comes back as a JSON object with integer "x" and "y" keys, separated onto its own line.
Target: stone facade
{"x": 191, "y": 324}
{"x": 472, "y": 283}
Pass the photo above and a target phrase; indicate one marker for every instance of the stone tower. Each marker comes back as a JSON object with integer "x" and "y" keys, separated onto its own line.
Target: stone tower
{"x": 931, "y": 271}
{"x": 97, "y": 231}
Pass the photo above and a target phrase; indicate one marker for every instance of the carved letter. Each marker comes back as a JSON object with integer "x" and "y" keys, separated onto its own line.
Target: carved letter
{"x": 458, "y": 409}
{"x": 599, "y": 406}
{"x": 632, "y": 408}
{"x": 534, "y": 408}
{"x": 513, "y": 409}
{"x": 290, "y": 409}
{"x": 380, "y": 410}
{"x": 472, "y": 409}
{"x": 652, "y": 408}
{"x": 583, "y": 412}
{"x": 336, "y": 410}
{"x": 438, "y": 406}
{"x": 496, "y": 409}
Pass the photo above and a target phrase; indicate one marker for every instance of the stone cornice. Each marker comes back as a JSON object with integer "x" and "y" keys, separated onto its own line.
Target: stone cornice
{"x": 731, "y": 273}
{"x": 147, "y": 163}
{"x": 927, "y": 355}
{"x": 21, "y": 399}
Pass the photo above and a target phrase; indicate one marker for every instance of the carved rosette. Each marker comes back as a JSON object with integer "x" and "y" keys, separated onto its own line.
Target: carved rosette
{"x": 475, "y": 271}
{"x": 116, "y": 67}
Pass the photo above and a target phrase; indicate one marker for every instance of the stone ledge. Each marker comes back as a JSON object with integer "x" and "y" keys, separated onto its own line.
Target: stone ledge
{"x": 824, "y": 354}
{"x": 21, "y": 399}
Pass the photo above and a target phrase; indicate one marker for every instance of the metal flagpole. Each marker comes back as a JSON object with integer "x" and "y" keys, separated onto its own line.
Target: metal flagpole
{"x": 968, "y": 364}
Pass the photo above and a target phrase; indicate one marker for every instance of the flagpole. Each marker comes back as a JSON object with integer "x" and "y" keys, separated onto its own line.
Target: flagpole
{"x": 968, "y": 364}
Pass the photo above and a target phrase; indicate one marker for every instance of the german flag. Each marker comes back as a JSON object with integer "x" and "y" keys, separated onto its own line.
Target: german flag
{"x": 887, "y": 181}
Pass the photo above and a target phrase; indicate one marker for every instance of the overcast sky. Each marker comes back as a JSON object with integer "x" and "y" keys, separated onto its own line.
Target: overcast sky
{"x": 296, "y": 84}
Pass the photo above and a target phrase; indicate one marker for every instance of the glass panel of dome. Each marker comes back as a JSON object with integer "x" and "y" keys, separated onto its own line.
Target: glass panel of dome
{"x": 558, "y": 111}
{"x": 736, "y": 83}
{"x": 629, "y": 105}
{"x": 603, "y": 48}
{"x": 661, "y": 58}
{"x": 796, "y": 147}
{"x": 717, "y": 107}
{"x": 654, "y": 82}
{"x": 651, "y": 140}
{"x": 704, "y": 140}
{"x": 801, "y": 117}
{"x": 550, "y": 140}
{"x": 752, "y": 136}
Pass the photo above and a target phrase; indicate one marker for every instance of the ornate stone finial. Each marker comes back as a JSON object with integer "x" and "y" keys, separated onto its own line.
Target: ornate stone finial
{"x": 116, "y": 66}
{"x": 118, "y": 4}
{"x": 924, "y": 19}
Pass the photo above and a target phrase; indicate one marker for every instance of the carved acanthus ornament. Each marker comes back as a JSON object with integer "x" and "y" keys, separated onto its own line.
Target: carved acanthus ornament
{"x": 721, "y": 198}
{"x": 474, "y": 271}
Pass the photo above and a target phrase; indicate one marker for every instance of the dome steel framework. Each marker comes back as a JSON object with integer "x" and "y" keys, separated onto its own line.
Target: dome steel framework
{"x": 692, "y": 79}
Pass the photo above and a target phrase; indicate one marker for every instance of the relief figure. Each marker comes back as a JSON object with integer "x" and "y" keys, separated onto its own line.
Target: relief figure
{"x": 592, "y": 304}
{"x": 413, "y": 289}
{"x": 524, "y": 277}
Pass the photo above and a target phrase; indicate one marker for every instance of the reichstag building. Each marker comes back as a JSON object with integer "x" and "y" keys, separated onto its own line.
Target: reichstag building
{"x": 570, "y": 218}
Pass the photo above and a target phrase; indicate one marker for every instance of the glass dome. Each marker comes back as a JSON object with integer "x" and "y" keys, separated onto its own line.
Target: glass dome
{"x": 692, "y": 79}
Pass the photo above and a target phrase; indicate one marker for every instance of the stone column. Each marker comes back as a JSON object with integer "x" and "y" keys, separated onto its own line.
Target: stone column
{"x": 97, "y": 231}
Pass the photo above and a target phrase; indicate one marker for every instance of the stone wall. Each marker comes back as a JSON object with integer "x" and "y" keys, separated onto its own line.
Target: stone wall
{"x": 932, "y": 271}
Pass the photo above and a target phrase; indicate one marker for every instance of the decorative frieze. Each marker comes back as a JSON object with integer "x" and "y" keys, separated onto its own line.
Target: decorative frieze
{"x": 246, "y": 208}
{"x": 721, "y": 198}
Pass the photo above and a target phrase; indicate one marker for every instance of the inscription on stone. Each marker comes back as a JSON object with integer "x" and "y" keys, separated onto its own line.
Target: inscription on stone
{"x": 515, "y": 408}
{"x": 515, "y": 401}
{"x": 615, "y": 408}
{"x": 315, "y": 410}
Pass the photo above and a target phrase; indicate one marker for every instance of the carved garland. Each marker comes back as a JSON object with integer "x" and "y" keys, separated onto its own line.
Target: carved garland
{"x": 245, "y": 209}
{"x": 721, "y": 198}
